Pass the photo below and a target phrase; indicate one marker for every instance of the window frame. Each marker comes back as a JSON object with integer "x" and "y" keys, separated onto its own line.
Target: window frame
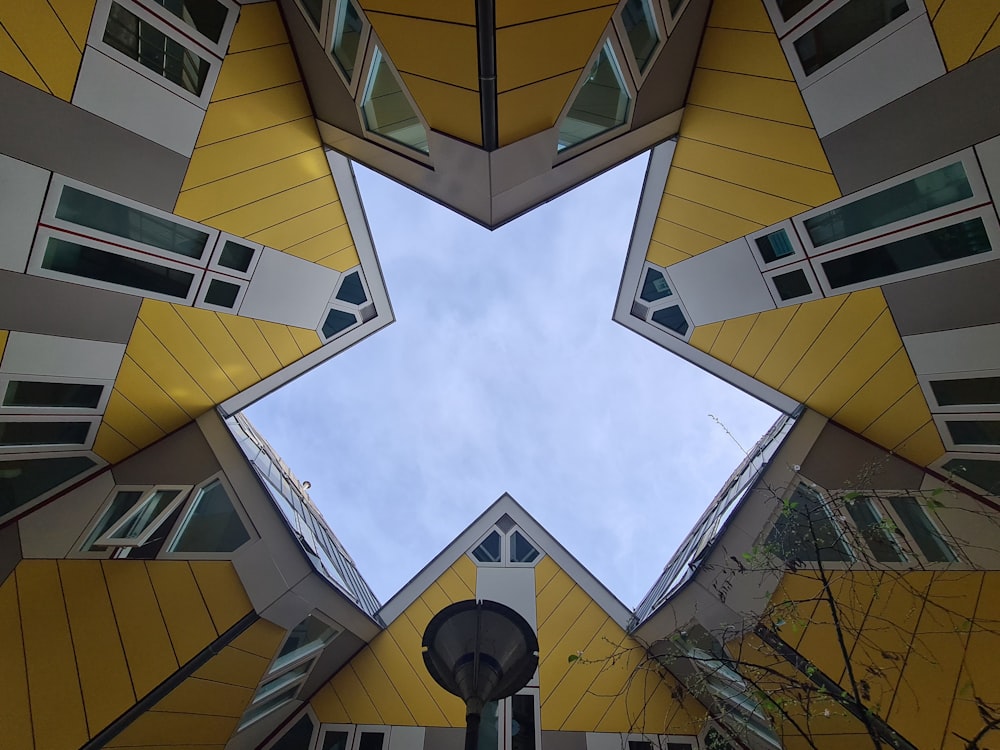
{"x": 792, "y": 232}
{"x": 317, "y": 733}
{"x": 325, "y": 728}
{"x": 882, "y": 513}
{"x": 204, "y": 286}
{"x": 511, "y": 563}
{"x": 216, "y": 253}
{"x": 6, "y": 378}
{"x": 211, "y": 52}
{"x": 505, "y": 715}
{"x": 98, "y": 463}
{"x": 324, "y": 20}
{"x": 189, "y": 503}
{"x": 92, "y": 420}
{"x": 838, "y": 522}
{"x": 278, "y": 667}
{"x": 658, "y": 16}
{"x": 366, "y": 33}
{"x": 937, "y": 466}
{"x": 941, "y": 420}
{"x": 112, "y": 543}
{"x": 807, "y": 269}
{"x": 219, "y": 48}
{"x": 926, "y": 380}
{"x": 670, "y": 20}
{"x": 671, "y": 300}
{"x": 360, "y": 729}
{"x": 503, "y": 550}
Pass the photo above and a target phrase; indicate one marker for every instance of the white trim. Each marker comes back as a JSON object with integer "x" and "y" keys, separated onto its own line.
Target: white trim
{"x": 815, "y": 293}
{"x": 218, "y": 48}
{"x": 220, "y": 244}
{"x": 108, "y": 538}
{"x": 363, "y": 40}
{"x": 366, "y": 80}
{"x": 511, "y": 563}
{"x": 92, "y": 422}
{"x": 324, "y": 728}
{"x": 324, "y": 14}
{"x": 926, "y": 380}
{"x": 670, "y": 19}
{"x": 281, "y": 664}
{"x": 655, "y": 11}
{"x": 167, "y": 553}
{"x": 781, "y": 26}
{"x": 102, "y": 403}
{"x": 293, "y": 720}
{"x": 384, "y": 729}
{"x": 488, "y": 563}
{"x": 941, "y": 420}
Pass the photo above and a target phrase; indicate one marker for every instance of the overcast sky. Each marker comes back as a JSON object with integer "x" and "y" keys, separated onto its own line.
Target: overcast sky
{"x": 505, "y": 373}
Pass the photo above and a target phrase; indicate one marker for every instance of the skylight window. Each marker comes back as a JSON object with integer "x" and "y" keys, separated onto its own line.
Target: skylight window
{"x": 387, "y": 110}
{"x": 600, "y": 105}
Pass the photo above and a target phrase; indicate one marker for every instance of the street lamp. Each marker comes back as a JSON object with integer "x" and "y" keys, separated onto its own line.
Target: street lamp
{"x": 481, "y": 651}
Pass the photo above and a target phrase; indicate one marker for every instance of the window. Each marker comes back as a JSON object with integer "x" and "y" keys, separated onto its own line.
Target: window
{"x": 971, "y": 432}
{"x": 298, "y": 736}
{"x": 601, "y": 104}
{"x": 211, "y": 523}
{"x": 654, "y": 287}
{"x": 352, "y": 289}
{"x": 524, "y": 732}
{"x": 639, "y": 22}
{"x": 260, "y": 708}
{"x": 981, "y": 472}
{"x": 844, "y": 29}
{"x": 121, "y": 502}
{"x": 792, "y": 284}
{"x": 521, "y": 550}
{"x": 875, "y": 531}
{"x": 980, "y": 392}
{"x": 789, "y": 8}
{"x": 671, "y": 318}
{"x": 774, "y": 246}
{"x": 309, "y": 636}
{"x": 371, "y": 740}
{"x": 347, "y": 31}
{"x": 313, "y": 11}
{"x": 337, "y": 321}
{"x": 488, "y": 550}
{"x": 25, "y": 479}
{"x": 805, "y": 530}
{"x": 136, "y": 524}
{"x": 335, "y": 739}
{"x": 506, "y": 548}
{"x": 27, "y": 432}
{"x": 207, "y": 17}
{"x": 235, "y": 256}
{"x": 922, "y": 530}
{"x": 222, "y": 293}
{"x": 387, "y": 110}
{"x": 36, "y": 394}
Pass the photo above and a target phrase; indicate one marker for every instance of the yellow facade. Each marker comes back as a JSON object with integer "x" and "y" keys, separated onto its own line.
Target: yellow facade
{"x": 964, "y": 30}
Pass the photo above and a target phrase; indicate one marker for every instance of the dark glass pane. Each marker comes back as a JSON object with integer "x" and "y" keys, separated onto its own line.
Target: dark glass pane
{"x": 522, "y": 724}
{"x": 309, "y": 632}
{"x": 939, "y": 188}
{"x": 600, "y": 105}
{"x": 352, "y": 290}
{"x": 932, "y": 546}
{"x": 774, "y": 245}
{"x": 843, "y": 29}
{"x": 640, "y": 745}
{"x": 146, "y": 44}
{"x": 55, "y": 395}
{"x": 680, "y": 746}
{"x": 789, "y": 8}
{"x": 297, "y": 738}
{"x": 145, "y": 515}
{"x": 386, "y": 109}
{"x": 207, "y": 17}
{"x": 235, "y": 256}
{"x": 489, "y": 727}
{"x": 43, "y": 433}
{"x": 105, "y": 215}
{"x": 983, "y": 473}
{"x": 654, "y": 286}
{"x": 334, "y": 740}
{"x": 640, "y": 27}
{"x": 489, "y": 550}
{"x": 346, "y": 37}
{"x": 99, "y": 265}
{"x": 672, "y": 318}
{"x": 792, "y": 284}
{"x": 674, "y": 7}
{"x": 212, "y": 524}
{"x": 314, "y": 10}
{"x": 24, "y": 479}
{"x": 974, "y": 432}
{"x": 966, "y": 391}
{"x": 371, "y": 741}
{"x": 521, "y": 550}
{"x": 221, "y": 293}
{"x": 805, "y": 531}
{"x": 937, "y": 246}
{"x": 157, "y": 538}
{"x": 337, "y": 321}
{"x": 122, "y": 503}
{"x": 873, "y": 530}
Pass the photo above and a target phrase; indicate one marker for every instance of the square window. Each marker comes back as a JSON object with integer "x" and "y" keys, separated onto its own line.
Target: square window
{"x": 222, "y": 293}
{"x": 774, "y": 246}
{"x": 792, "y": 285}
{"x": 236, "y": 256}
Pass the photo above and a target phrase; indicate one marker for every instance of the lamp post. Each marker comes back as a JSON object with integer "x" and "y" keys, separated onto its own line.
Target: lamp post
{"x": 480, "y": 651}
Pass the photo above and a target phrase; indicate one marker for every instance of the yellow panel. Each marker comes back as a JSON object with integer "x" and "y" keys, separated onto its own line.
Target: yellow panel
{"x": 560, "y": 681}
{"x": 748, "y": 204}
{"x": 15, "y": 714}
{"x": 382, "y": 689}
{"x": 352, "y": 693}
{"x": 328, "y": 707}
{"x": 456, "y": 11}
{"x": 75, "y": 16}
{"x": 278, "y": 208}
{"x": 740, "y": 14}
{"x": 255, "y": 70}
{"x": 922, "y": 447}
{"x": 15, "y": 64}
{"x": 129, "y": 422}
{"x": 235, "y": 155}
{"x": 147, "y": 646}
{"x": 688, "y": 241}
{"x": 990, "y": 42}
{"x": 262, "y": 638}
{"x": 149, "y": 397}
{"x": 510, "y": 12}
{"x": 230, "y": 193}
{"x": 57, "y": 713}
{"x": 322, "y": 245}
{"x": 307, "y": 340}
{"x": 455, "y": 588}
{"x": 960, "y": 26}
{"x": 871, "y": 351}
{"x": 255, "y": 111}
{"x": 294, "y": 231}
{"x": 731, "y": 337}
{"x": 773, "y": 140}
{"x": 41, "y": 37}
{"x": 217, "y": 339}
{"x": 411, "y": 684}
{"x": 900, "y": 420}
{"x": 757, "y": 172}
{"x": 164, "y": 322}
{"x": 766, "y": 330}
{"x": 802, "y": 330}
{"x": 549, "y": 598}
{"x": 151, "y": 355}
{"x": 234, "y": 667}
{"x": 223, "y": 593}
{"x": 408, "y": 639}
{"x": 448, "y": 109}
{"x": 884, "y": 388}
{"x": 444, "y": 52}
{"x": 342, "y": 259}
{"x": 197, "y": 696}
{"x": 252, "y": 343}
{"x": 187, "y": 619}
{"x": 743, "y": 52}
{"x": 749, "y": 95}
{"x": 543, "y": 49}
{"x": 153, "y": 726}
{"x": 434, "y": 598}
{"x": 703, "y": 337}
{"x": 260, "y": 25}
{"x": 533, "y": 108}
{"x": 709, "y": 221}
{"x": 111, "y": 446}
{"x": 933, "y": 6}
{"x": 858, "y": 312}
{"x": 104, "y": 676}
{"x": 544, "y": 571}
{"x": 280, "y": 341}
{"x": 663, "y": 255}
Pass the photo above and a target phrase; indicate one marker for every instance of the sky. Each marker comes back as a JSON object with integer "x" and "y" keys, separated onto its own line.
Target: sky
{"x": 505, "y": 373}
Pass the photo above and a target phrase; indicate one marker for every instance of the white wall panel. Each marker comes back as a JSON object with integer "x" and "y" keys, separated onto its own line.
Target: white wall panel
{"x": 22, "y": 191}
{"x": 406, "y": 738}
{"x": 112, "y": 91}
{"x": 956, "y": 350}
{"x": 36, "y": 354}
{"x": 288, "y": 290}
{"x": 895, "y": 66}
{"x": 721, "y": 283}
{"x": 514, "y": 587}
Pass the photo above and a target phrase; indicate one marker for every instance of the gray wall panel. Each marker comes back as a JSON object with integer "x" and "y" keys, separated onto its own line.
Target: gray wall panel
{"x": 564, "y": 740}
{"x": 946, "y": 115}
{"x": 181, "y": 458}
{"x": 444, "y": 738}
{"x": 45, "y": 131}
{"x": 60, "y": 308}
{"x": 841, "y": 460}
{"x": 958, "y": 298}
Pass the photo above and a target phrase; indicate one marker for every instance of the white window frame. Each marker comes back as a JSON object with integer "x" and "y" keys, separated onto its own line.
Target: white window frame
{"x": 839, "y": 522}
{"x": 6, "y": 378}
{"x": 980, "y": 195}
{"x": 671, "y": 300}
{"x": 95, "y": 39}
{"x": 816, "y": 293}
{"x": 915, "y": 9}
{"x": 343, "y": 307}
{"x": 670, "y": 20}
{"x": 167, "y": 554}
{"x": 503, "y": 550}
{"x": 34, "y": 502}
{"x": 93, "y": 422}
{"x": 281, "y": 664}
{"x": 781, "y": 26}
{"x": 366, "y": 32}
{"x": 881, "y": 512}
{"x": 314, "y": 738}
{"x": 925, "y": 381}
{"x": 362, "y": 728}
{"x": 220, "y": 48}
{"x": 791, "y": 231}
{"x": 509, "y": 541}
{"x": 657, "y": 14}
{"x": 949, "y": 442}
{"x": 340, "y": 281}
{"x": 108, "y": 538}
{"x": 505, "y": 715}
{"x": 349, "y": 729}
{"x": 220, "y": 244}
{"x": 206, "y": 282}
{"x": 324, "y": 19}
{"x": 938, "y": 467}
